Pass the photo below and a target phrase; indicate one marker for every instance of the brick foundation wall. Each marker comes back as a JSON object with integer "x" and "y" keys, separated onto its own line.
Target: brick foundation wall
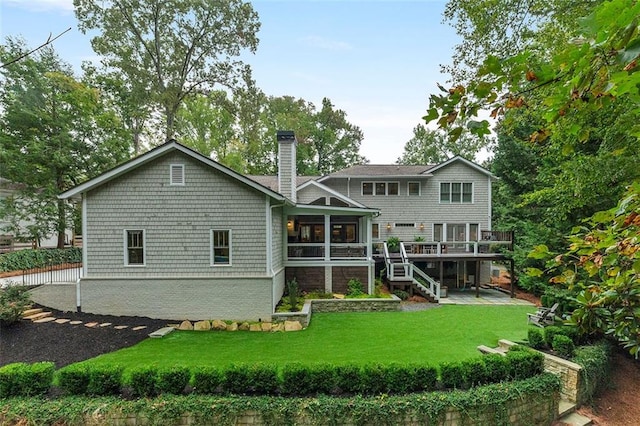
{"x": 309, "y": 278}
{"x": 342, "y": 274}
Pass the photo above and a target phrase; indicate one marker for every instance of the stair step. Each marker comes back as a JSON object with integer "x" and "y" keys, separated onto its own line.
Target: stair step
{"x": 575, "y": 419}
{"x": 33, "y": 311}
{"x": 487, "y": 350}
{"x": 565, "y": 408}
{"x": 37, "y": 316}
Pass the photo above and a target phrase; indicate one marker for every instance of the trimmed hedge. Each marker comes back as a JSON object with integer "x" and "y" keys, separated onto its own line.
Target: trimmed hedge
{"x": 426, "y": 408}
{"x": 29, "y": 259}
{"x": 596, "y": 368}
{"x": 296, "y": 379}
{"x": 21, "y": 379}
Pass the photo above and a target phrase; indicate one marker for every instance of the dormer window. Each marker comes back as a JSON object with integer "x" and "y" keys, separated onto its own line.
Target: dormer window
{"x": 176, "y": 174}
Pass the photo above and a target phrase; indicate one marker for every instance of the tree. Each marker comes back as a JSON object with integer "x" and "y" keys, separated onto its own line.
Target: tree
{"x": 433, "y": 146}
{"x": 336, "y": 141}
{"x": 54, "y": 132}
{"x": 174, "y": 48}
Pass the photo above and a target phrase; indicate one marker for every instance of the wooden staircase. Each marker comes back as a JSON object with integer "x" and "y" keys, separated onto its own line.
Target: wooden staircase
{"x": 403, "y": 274}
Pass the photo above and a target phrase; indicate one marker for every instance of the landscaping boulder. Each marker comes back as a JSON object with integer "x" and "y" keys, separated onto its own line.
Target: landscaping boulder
{"x": 232, "y": 327}
{"x": 255, "y": 327}
{"x": 292, "y": 326}
{"x": 265, "y": 326}
{"x": 185, "y": 325}
{"x": 244, "y": 326}
{"x": 202, "y": 326}
{"x": 218, "y": 325}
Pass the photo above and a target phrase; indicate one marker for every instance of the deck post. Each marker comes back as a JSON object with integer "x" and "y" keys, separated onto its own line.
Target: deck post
{"x": 477, "y": 278}
{"x": 441, "y": 272}
{"x": 513, "y": 290}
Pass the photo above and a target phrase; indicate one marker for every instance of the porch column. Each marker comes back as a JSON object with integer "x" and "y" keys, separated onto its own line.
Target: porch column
{"x": 477, "y": 279}
{"x": 327, "y": 237}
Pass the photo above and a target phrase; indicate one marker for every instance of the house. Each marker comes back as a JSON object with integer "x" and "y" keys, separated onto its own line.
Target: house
{"x": 173, "y": 234}
{"x": 13, "y": 231}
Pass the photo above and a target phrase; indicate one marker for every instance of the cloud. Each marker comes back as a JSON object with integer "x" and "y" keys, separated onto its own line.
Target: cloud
{"x": 326, "y": 44}
{"x": 42, "y": 5}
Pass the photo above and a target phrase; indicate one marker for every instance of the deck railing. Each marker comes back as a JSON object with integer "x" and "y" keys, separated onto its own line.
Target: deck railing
{"x": 457, "y": 247}
{"x": 337, "y": 251}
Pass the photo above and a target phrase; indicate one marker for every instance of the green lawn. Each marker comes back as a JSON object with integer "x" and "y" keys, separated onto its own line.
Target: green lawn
{"x": 446, "y": 333}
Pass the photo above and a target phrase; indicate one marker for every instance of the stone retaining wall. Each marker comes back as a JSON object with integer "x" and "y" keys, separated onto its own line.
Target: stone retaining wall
{"x": 524, "y": 411}
{"x": 569, "y": 373}
{"x": 338, "y": 305}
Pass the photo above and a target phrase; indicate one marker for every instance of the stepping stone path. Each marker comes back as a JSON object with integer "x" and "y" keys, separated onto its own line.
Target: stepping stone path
{"x": 39, "y": 316}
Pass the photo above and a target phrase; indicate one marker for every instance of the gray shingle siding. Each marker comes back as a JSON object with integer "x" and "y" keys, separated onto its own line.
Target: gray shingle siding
{"x": 426, "y": 208}
{"x": 177, "y": 221}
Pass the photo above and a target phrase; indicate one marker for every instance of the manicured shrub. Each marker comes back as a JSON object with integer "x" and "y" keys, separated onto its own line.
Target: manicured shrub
{"x": 497, "y": 367}
{"x": 348, "y": 378}
{"x": 402, "y": 295}
{"x": 563, "y": 345}
{"x": 524, "y": 363}
{"x": 172, "y": 380}
{"x": 143, "y": 381}
{"x": 207, "y": 380}
{"x": 354, "y": 287}
{"x": 295, "y": 380}
{"x": 104, "y": 380}
{"x": 73, "y": 379}
{"x": 322, "y": 378}
{"x": 452, "y": 375}
{"x": 475, "y": 372}
{"x": 596, "y": 368}
{"x": 425, "y": 378}
{"x": 263, "y": 379}
{"x": 28, "y": 259}
{"x": 37, "y": 378}
{"x": 13, "y": 302}
{"x": 399, "y": 378}
{"x": 535, "y": 337}
{"x": 237, "y": 379}
{"x": 549, "y": 334}
{"x": 9, "y": 379}
{"x": 374, "y": 379}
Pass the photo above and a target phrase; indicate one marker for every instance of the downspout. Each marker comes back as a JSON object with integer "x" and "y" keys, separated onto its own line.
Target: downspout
{"x": 84, "y": 252}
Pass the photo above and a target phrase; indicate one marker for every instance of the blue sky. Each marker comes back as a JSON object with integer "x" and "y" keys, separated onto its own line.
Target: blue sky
{"x": 376, "y": 60}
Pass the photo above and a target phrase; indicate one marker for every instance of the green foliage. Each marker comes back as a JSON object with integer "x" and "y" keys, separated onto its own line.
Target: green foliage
{"x": 374, "y": 379}
{"x": 550, "y": 332}
{"x": 401, "y": 294}
{"x": 563, "y": 345}
{"x": 497, "y": 367}
{"x": 73, "y": 379}
{"x": 142, "y": 381}
{"x": 475, "y": 372}
{"x": 172, "y": 380}
{"x": 348, "y": 378}
{"x": 393, "y": 244}
{"x": 524, "y": 363}
{"x": 207, "y": 380}
{"x": 354, "y": 288}
{"x": 428, "y": 407}
{"x": 452, "y": 375}
{"x": 104, "y": 380}
{"x": 434, "y": 146}
{"x": 13, "y": 302}
{"x": 28, "y": 259}
{"x": 535, "y": 337}
{"x": 20, "y": 379}
{"x": 596, "y": 368}
{"x": 293, "y": 292}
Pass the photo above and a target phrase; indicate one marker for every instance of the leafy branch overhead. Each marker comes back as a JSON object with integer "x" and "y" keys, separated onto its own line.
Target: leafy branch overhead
{"x": 594, "y": 65}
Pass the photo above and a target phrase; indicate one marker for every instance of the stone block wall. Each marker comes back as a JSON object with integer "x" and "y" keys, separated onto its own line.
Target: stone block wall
{"x": 355, "y": 305}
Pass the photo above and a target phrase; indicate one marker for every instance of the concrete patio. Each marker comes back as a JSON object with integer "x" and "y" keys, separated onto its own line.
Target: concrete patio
{"x": 487, "y": 296}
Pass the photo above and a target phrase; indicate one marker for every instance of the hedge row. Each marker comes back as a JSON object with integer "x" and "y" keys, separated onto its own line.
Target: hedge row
{"x": 29, "y": 259}
{"x": 425, "y": 408}
{"x": 292, "y": 379}
{"x": 20, "y": 379}
{"x": 562, "y": 339}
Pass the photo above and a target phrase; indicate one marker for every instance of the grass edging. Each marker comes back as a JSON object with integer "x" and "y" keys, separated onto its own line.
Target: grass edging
{"x": 530, "y": 401}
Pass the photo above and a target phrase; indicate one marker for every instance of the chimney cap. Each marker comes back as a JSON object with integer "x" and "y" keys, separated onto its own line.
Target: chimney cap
{"x": 285, "y": 135}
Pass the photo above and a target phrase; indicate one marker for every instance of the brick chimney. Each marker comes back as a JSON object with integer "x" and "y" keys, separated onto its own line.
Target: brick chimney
{"x": 287, "y": 164}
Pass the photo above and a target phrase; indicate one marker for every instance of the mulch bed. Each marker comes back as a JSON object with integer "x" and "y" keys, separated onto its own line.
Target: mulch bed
{"x": 65, "y": 344}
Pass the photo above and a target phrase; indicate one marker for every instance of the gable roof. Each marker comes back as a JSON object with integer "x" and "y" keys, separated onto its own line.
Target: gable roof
{"x": 379, "y": 170}
{"x": 158, "y": 152}
{"x": 332, "y": 192}
{"x": 271, "y": 181}
{"x": 399, "y": 170}
{"x": 464, "y": 161}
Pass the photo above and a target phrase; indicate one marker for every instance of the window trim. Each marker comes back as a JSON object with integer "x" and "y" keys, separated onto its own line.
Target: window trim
{"x": 409, "y": 194}
{"x": 212, "y": 249}
{"x": 171, "y": 168}
{"x": 375, "y": 235}
{"x": 387, "y": 188}
{"x": 125, "y": 234}
{"x": 372, "y": 189}
{"x": 450, "y": 194}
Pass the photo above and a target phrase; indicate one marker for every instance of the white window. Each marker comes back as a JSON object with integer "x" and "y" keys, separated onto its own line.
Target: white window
{"x": 381, "y": 188}
{"x": 375, "y": 231}
{"x": 456, "y": 192}
{"x": 176, "y": 174}
{"x": 220, "y": 247}
{"x": 413, "y": 188}
{"x": 367, "y": 188}
{"x": 392, "y": 188}
{"x": 134, "y": 247}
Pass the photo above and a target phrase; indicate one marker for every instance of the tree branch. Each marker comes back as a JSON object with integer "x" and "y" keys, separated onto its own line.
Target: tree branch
{"x": 24, "y": 55}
